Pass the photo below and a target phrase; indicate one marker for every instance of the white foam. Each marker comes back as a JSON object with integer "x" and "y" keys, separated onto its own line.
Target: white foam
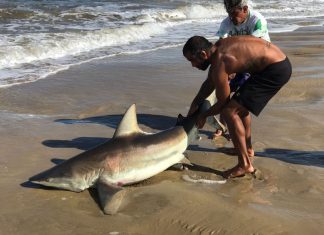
{"x": 195, "y": 11}
{"x": 30, "y": 47}
{"x": 203, "y": 181}
{"x": 45, "y": 42}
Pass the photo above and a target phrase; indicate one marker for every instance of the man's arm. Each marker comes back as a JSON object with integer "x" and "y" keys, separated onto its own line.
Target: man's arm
{"x": 220, "y": 78}
{"x": 205, "y": 90}
{"x": 223, "y": 31}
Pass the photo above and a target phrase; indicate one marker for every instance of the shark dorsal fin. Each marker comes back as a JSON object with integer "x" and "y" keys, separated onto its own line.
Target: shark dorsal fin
{"x": 128, "y": 125}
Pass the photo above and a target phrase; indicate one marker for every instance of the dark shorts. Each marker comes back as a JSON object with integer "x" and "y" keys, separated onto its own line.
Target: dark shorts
{"x": 256, "y": 92}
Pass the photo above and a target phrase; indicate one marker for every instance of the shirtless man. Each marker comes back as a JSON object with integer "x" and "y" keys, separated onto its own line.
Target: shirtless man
{"x": 270, "y": 69}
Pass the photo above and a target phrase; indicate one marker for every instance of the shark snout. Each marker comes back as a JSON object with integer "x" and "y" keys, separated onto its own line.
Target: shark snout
{"x": 54, "y": 177}
{"x": 41, "y": 177}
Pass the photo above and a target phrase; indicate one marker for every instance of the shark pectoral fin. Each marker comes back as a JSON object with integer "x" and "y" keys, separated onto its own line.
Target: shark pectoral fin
{"x": 181, "y": 165}
{"x": 110, "y": 197}
{"x": 185, "y": 161}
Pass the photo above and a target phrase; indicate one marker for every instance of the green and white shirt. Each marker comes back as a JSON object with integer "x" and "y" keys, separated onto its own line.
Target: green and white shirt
{"x": 255, "y": 25}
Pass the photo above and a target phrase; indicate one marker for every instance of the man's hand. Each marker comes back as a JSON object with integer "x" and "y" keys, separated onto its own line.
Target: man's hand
{"x": 201, "y": 120}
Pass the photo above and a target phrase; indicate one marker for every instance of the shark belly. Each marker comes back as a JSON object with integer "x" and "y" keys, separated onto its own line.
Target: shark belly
{"x": 143, "y": 163}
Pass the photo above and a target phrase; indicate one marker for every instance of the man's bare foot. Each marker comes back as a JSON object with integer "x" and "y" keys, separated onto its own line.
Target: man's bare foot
{"x": 217, "y": 133}
{"x": 237, "y": 171}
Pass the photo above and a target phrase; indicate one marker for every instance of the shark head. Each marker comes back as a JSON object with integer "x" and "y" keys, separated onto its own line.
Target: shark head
{"x": 58, "y": 177}
{"x": 189, "y": 123}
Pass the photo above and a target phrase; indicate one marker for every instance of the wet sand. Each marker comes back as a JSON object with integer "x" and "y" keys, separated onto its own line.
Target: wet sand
{"x": 45, "y": 122}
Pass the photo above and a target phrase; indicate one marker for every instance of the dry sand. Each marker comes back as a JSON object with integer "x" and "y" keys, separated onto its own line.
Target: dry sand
{"x": 53, "y": 119}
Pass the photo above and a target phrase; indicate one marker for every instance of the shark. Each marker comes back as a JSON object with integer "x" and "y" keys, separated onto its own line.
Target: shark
{"x": 129, "y": 157}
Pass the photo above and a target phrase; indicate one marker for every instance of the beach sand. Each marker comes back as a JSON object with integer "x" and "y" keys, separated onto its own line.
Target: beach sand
{"x": 53, "y": 119}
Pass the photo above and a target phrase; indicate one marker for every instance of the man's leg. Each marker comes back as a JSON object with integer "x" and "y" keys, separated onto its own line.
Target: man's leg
{"x": 234, "y": 113}
{"x": 247, "y": 124}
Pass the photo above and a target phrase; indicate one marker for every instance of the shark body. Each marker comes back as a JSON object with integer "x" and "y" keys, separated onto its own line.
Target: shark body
{"x": 129, "y": 157}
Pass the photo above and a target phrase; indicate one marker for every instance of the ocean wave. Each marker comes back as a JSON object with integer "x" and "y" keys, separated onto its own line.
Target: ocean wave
{"x": 40, "y": 70}
{"x": 30, "y": 47}
{"x": 8, "y": 14}
{"x": 194, "y": 12}
{"x": 41, "y": 39}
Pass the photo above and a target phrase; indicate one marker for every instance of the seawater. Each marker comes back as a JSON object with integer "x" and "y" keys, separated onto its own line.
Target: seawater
{"x": 39, "y": 38}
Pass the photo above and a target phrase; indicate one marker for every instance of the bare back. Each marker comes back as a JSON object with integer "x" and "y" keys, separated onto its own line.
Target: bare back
{"x": 247, "y": 54}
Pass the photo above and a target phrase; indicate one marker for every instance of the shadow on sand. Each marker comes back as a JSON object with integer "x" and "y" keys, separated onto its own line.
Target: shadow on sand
{"x": 307, "y": 158}
{"x": 157, "y": 122}
{"x": 82, "y": 143}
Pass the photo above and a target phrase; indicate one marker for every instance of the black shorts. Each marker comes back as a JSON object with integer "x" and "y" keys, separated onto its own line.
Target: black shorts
{"x": 256, "y": 92}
